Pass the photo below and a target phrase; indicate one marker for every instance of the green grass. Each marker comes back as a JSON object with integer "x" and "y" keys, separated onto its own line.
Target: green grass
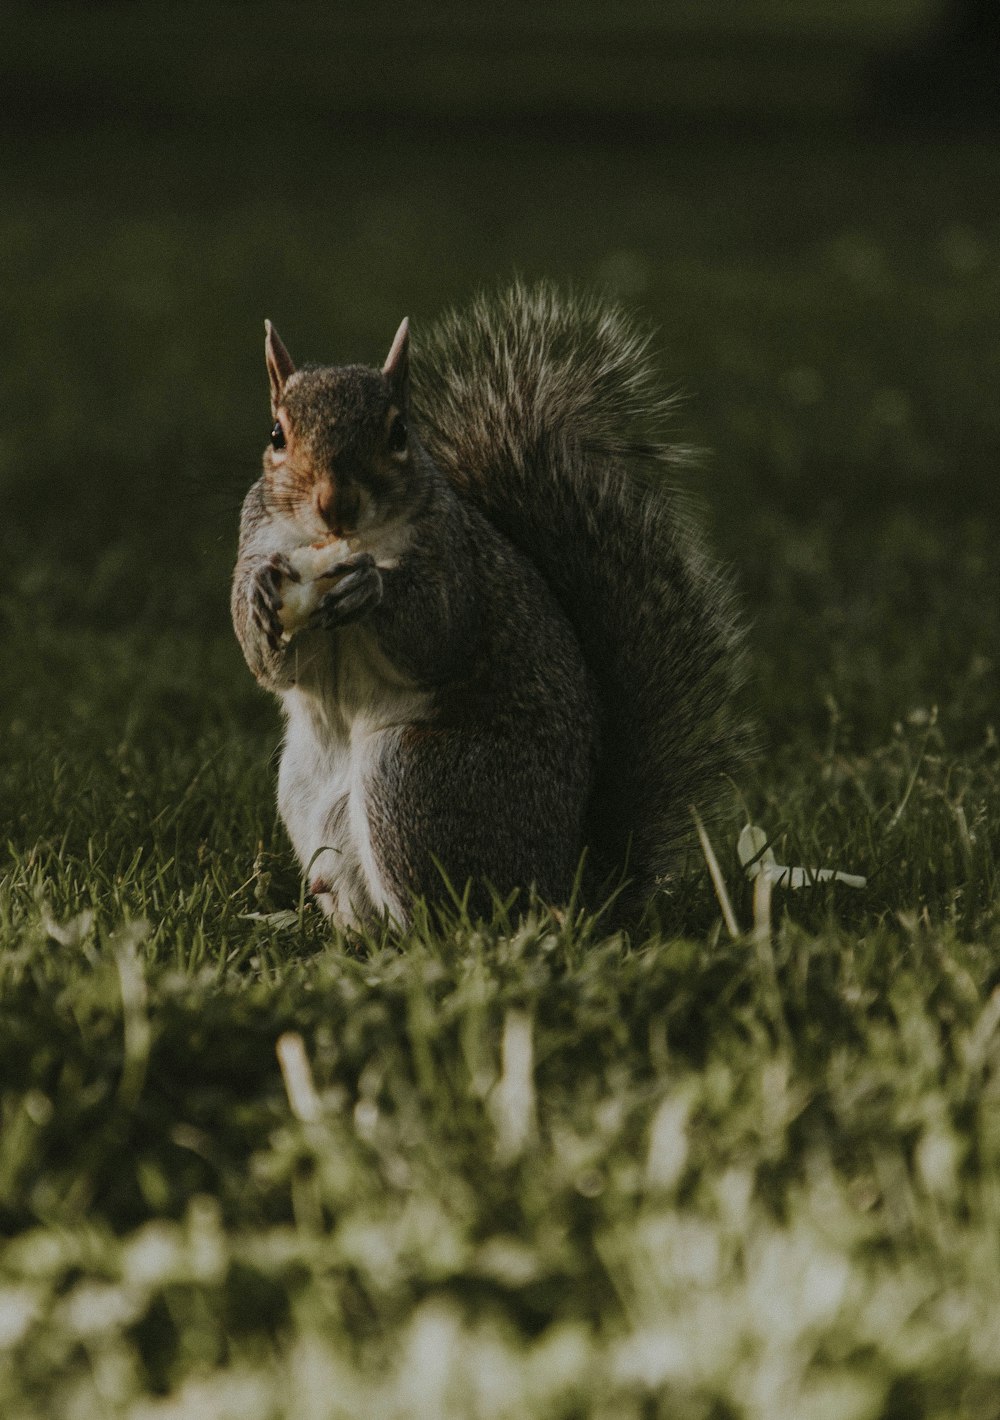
{"x": 530, "y": 1170}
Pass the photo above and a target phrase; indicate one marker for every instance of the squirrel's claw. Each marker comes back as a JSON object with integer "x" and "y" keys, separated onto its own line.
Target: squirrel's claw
{"x": 279, "y": 567}
{"x": 354, "y": 594}
{"x": 265, "y": 598}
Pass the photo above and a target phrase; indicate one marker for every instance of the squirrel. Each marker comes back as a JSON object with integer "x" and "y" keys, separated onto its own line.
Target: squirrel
{"x": 520, "y": 657}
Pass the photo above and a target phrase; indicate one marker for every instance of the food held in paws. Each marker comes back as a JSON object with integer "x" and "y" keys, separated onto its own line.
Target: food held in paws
{"x": 319, "y": 565}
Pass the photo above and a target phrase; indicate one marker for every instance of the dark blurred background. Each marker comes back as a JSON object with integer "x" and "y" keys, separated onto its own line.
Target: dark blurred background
{"x": 801, "y": 197}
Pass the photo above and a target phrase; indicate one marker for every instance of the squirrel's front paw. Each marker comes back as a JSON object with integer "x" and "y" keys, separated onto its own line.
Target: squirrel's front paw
{"x": 265, "y": 597}
{"x": 357, "y": 591}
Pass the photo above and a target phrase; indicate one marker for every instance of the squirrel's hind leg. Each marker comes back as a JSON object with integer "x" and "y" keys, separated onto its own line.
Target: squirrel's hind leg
{"x": 472, "y": 808}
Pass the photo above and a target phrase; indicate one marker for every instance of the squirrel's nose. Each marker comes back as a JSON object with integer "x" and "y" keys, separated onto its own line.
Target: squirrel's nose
{"x": 325, "y": 499}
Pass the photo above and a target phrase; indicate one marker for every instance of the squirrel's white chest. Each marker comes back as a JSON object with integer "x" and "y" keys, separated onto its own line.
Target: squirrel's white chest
{"x": 340, "y": 720}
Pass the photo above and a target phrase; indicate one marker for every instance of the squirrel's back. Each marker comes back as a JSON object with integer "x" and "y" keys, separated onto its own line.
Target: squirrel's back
{"x": 544, "y": 410}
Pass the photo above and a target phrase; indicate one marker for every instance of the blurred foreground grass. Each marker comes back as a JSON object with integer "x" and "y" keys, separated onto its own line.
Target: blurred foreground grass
{"x": 530, "y": 1171}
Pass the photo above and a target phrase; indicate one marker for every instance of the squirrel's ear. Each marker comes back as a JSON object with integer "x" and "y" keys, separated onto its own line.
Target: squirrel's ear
{"x": 279, "y": 364}
{"x": 397, "y": 365}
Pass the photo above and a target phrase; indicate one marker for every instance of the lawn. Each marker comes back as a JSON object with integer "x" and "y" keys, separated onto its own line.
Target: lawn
{"x": 499, "y": 1169}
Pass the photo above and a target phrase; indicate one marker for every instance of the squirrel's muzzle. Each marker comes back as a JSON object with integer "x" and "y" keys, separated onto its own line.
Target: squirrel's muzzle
{"x": 337, "y": 501}
{"x": 324, "y": 500}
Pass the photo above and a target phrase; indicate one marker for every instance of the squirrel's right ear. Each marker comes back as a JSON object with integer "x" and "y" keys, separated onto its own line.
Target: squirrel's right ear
{"x": 397, "y": 365}
{"x": 279, "y": 364}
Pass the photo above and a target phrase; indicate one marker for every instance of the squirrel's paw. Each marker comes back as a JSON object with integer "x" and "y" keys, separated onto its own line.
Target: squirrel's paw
{"x": 357, "y": 591}
{"x": 265, "y": 597}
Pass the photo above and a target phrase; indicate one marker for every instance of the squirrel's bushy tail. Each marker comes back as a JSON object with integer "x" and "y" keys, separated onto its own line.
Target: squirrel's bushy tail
{"x": 544, "y": 409}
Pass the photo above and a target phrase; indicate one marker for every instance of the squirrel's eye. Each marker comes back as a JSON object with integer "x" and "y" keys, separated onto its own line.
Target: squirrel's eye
{"x": 277, "y": 436}
{"x": 397, "y": 435}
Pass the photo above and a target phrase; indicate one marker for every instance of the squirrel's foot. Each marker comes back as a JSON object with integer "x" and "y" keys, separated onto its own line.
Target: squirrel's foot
{"x": 356, "y": 592}
{"x": 265, "y": 597}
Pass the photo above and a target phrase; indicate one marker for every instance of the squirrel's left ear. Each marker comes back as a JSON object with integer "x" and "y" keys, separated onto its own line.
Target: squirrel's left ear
{"x": 397, "y": 365}
{"x": 279, "y": 364}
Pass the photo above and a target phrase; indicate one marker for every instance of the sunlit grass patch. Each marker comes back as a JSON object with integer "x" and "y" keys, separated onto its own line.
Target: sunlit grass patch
{"x": 508, "y": 1172}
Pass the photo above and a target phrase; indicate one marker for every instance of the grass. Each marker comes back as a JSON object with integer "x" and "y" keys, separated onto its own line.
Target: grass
{"x": 499, "y": 1169}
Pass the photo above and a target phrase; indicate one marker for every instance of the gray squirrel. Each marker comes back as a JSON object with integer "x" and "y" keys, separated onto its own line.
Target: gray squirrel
{"x": 516, "y": 656}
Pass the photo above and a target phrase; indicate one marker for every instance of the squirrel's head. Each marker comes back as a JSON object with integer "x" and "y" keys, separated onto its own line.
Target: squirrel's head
{"x": 340, "y": 458}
